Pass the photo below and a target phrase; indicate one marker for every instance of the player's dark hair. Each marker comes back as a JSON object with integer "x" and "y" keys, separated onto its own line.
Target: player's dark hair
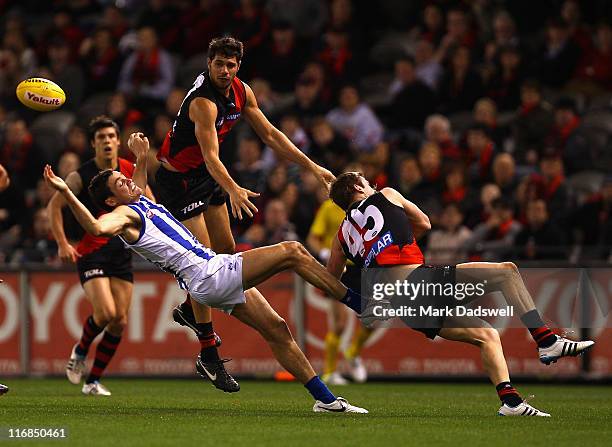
{"x": 342, "y": 191}
{"x": 226, "y": 47}
{"x": 100, "y": 122}
{"x": 99, "y": 190}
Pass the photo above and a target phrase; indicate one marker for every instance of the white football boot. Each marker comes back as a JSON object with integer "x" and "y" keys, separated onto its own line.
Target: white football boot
{"x": 358, "y": 370}
{"x": 75, "y": 367}
{"x": 522, "y": 409}
{"x": 95, "y": 389}
{"x": 334, "y": 378}
{"x": 563, "y": 347}
{"x": 340, "y": 405}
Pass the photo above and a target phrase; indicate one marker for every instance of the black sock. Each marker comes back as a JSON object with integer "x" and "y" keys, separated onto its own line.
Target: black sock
{"x": 508, "y": 394}
{"x": 208, "y": 344}
{"x": 541, "y": 333}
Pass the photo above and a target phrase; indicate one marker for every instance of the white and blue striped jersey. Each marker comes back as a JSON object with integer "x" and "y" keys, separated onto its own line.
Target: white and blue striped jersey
{"x": 165, "y": 242}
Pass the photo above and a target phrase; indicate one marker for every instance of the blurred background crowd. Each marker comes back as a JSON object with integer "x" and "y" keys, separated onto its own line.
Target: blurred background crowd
{"x": 495, "y": 117}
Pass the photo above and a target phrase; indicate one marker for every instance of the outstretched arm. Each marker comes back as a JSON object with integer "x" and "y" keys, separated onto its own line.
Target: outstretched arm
{"x": 279, "y": 142}
{"x": 65, "y": 251}
{"x": 204, "y": 113}
{"x": 108, "y": 225}
{"x": 139, "y": 145}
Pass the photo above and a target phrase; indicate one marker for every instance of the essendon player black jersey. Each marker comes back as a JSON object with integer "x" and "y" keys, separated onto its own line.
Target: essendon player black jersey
{"x": 181, "y": 148}
{"x": 376, "y": 232}
{"x": 87, "y": 171}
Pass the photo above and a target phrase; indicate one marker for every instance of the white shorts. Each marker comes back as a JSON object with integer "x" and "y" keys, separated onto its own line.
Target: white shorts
{"x": 218, "y": 282}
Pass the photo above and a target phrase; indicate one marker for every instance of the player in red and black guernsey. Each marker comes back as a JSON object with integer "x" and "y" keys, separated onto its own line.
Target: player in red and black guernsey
{"x": 381, "y": 229}
{"x": 104, "y": 265}
{"x": 194, "y": 184}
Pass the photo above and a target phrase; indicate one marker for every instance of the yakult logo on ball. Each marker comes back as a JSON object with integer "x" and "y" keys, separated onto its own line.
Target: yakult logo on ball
{"x": 42, "y": 99}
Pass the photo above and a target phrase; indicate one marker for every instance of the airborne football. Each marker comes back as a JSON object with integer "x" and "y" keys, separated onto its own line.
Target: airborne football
{"x": 40, "y": 94}
{"x": 323, "y": 222}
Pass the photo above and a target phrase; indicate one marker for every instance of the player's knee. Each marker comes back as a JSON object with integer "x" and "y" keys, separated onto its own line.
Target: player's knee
{"x": 487, "y": 336}
{"x": 292, "y": 251}
{"x": 278, "y": 331}
{"x": 104, "y": 316}
{"x": 510, "y": 267}
{"x": 118, "y": 323}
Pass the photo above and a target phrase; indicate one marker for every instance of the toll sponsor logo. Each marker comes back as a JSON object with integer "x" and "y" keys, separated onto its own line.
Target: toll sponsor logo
{"x": 192, "y": 206}
{"x": 93, "y": 272}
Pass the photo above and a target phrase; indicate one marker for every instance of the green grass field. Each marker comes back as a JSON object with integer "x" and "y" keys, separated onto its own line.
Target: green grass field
{"x": 185, "y": 412}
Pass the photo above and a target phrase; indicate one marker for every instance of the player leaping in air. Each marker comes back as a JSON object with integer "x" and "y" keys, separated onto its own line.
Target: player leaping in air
{"x": 380, "y": 230}
{"x": 215, "y": 280}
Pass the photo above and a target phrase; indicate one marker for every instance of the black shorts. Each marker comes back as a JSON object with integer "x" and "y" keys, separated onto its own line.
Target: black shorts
{"x": 430, "y": 325}
{"x": 187, "y": 195}
{"x": 106, "y": 263}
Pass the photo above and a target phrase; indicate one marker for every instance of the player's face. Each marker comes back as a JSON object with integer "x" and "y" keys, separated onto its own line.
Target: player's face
{"x": 106, "y": 143}
{"x": 222, "y": 71}
{"x": 124, "y": 189}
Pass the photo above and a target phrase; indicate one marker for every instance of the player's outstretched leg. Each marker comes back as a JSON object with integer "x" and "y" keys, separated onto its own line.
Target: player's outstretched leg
{"x": 258, "y": 314}
{"x": 506, "y": 278}
{"x": 183, "y": 315}
{"x": 493, "y": 361}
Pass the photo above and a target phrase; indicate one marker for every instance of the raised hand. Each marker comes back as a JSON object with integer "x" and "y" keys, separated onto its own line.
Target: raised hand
{"x": 53, "y": 180}
{"x": 239, "y": 200}
{"x": 138, "y": 144}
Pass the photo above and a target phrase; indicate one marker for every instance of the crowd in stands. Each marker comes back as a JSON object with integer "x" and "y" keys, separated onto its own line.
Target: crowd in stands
{"x": 494, "y": 117}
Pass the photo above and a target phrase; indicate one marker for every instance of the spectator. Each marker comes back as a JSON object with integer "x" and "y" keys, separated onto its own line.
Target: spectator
{"x": 504, "y": 84}
{"x": 161, "y": 126}
{"x": 458, "y": 33}
{"x": 531, "y": 125}
{"x": 338, "y": 57}
{"x": 412, "y": 101}
{"x": 101, "y": 61}
{"x": 118, "y": 109}
{"x": 493, "y": 240}
{"x": 20, "y": 156}
{"x": 282, "y": 58}
{"x": 540, "y": 238}
{"x": 175, "y": 99}
{"x": 558, "y": 60}
{"x": 460, "y": 86}
{"x": 267, "y": 100}
{"x": 15, "y": 40}
{"x": 578, "y": 31}
{"x": 484, "y": 208}
{"x": 201, "y": 23}
{"x": 479, "y": 153}
{"x": 457, "y": 190}
{"x": 37, "y": 244}
{"x": 276, "y": 227}
{"x": 445, "y": 244}
{"x": 308, "y": 102}
{"x": 161, "y": 15}
{"x": 329, "y": 148}
{"x": 311, "y": 195}
{"x": 597, "y": 64}
{"x": 356, "y": 121}
{"x": 438, "y": 131}
{"x": 485, "y": 112}
{"x": 249, "y": 169}
{"x": 504, "y": 174}
{"x": 63, "y": 72}
{"x": 431, "y": 27}
{"x": 147, "y": 75}
{"x": 428, "y": 69}
{"x": 76, "y": 142}
{"x": 593, "y": 223}
{"x": 62, "y": 28}
{"x": 67, "y": 163}
{"x": 566, "y": 136}
{"x": 12, "y": 204}
{"x": 551, "y": 186}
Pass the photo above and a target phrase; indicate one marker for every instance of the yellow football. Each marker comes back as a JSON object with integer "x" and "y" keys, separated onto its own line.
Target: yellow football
{"x": 40, "y": 94}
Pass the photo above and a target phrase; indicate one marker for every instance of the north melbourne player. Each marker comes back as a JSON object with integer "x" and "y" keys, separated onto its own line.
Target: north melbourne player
{"x": 381, "y": 229}
{"x": 215, "y": 280}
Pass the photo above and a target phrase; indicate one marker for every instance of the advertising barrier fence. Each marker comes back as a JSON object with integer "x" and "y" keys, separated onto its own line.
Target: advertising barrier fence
{"x": 41, "y": 315}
